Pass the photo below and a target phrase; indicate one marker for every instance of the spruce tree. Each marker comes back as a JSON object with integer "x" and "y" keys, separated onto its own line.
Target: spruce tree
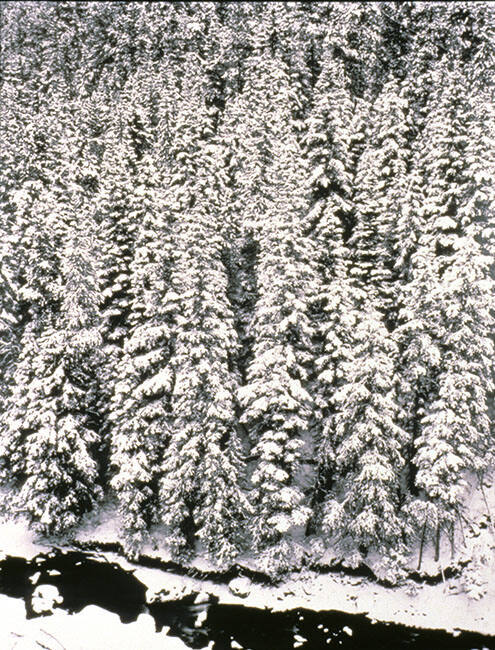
{"x": 381, "y": 182}
{"x": 276, "y": 404}
{"x": 454, "y": 430}
{"x": 51, "y": 434}
{"x": 201, "y": 495}
{"x": 333, "y": 146}
{"x": 362, "y": 509}
{"x": 140, "y": 409}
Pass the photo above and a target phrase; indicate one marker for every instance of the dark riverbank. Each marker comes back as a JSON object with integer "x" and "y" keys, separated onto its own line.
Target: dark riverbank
{"x": 81, "y": 579}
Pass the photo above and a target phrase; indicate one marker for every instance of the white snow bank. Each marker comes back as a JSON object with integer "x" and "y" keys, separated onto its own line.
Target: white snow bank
{"x": 45, "y": 598}
{"x": 18, "y": 540}
{"x": 442, "y": 606}
{"x": 92, "y": 628}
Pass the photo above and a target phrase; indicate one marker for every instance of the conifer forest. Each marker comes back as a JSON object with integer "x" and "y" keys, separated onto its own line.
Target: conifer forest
{"x": 247, "y": 273}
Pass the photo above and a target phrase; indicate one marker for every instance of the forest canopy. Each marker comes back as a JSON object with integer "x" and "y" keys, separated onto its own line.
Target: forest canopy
{"x": 247, "y": 271}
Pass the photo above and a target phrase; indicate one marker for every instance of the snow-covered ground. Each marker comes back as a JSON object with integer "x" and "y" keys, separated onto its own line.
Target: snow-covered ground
{"x": 442, "y": 606}
{"x": 446, "y": 605}
{"x": 436, "y": 607}
{"x": 91, "y": 629}
{"x": 18, "y": 540}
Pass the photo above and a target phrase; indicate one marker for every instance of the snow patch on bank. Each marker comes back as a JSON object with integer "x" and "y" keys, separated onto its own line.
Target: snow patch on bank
{"x": 422, "y": 606}
{"x": 93, "y": 628}
{"x": 17, "y": 539}
{"x": 441, "y": 606}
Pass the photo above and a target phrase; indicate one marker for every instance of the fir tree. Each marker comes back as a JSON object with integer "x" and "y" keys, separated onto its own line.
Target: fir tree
{"x": 200, "y": 492}
{"x": 51, "y": 438}
{"x": 140, "y": 411}
{"x": 454, "y": 432}
{"x": 333, "y": 146}
{"x": 202, "y": 467}
{"x": 275, "y": 401}
{"x": 381, "y": 180}
{"x": 363, "y": 504}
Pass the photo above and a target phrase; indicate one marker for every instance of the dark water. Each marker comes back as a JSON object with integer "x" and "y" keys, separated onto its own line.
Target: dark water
{"x": 84, "y": 579}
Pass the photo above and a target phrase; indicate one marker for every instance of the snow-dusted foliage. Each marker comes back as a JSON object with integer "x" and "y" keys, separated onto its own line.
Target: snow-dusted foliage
{"x": 200, "y": 489}
{"x": 381, "y": 181}
{"x": 275, "y": 401}
{"x": 363, "y": 504}
{"x": 50, "y": 440}
{"x": 247, "y": 274}
{"x": 333, "y": 145}
{"x": 140, "y": 410}
{"x": 454, "y": 431}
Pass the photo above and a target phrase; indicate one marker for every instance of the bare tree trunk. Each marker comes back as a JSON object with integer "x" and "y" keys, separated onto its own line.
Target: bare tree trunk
{"x": 421, "y": 546}
{"x": 490, "y": 520}
{"x": 437, "y": 544}
{"x": 443, "y": 577}
{"x": 462, "y": 527}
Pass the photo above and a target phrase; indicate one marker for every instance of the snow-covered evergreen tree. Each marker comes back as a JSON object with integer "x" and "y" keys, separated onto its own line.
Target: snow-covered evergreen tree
{"x": 333, "y": 145}
{"x": 51, "y": 437}
{"x": 381, "y": 181}
{"x": 201, "y": 495}
{"x": 117, "y": 232}
{"x": 363, "y": 504}
{"x": 202, "y": 467}
{"x": 276, "y": 404}
{"x": 38, "y": 295}
{"x": 454, "y": 430}
{"x": 140, "y": 409}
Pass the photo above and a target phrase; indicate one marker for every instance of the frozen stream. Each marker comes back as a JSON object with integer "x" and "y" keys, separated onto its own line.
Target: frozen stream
{"x": 74, "y": 581}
